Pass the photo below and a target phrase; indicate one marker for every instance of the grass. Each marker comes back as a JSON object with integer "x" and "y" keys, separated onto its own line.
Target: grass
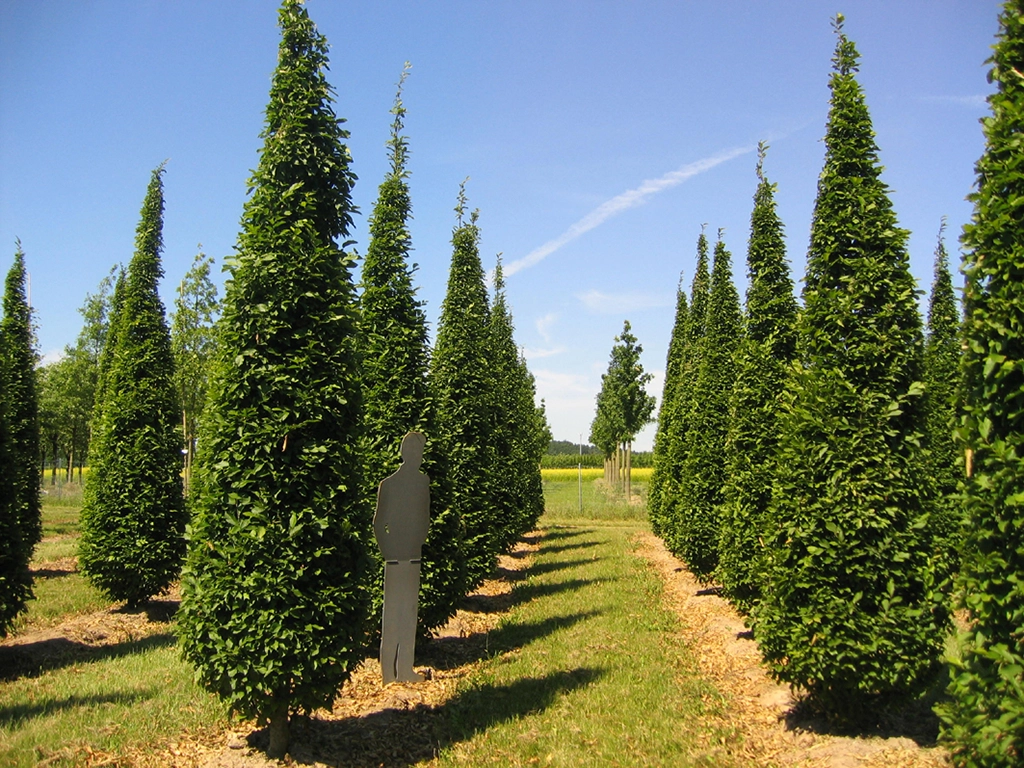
{"x": 587, "y": 669}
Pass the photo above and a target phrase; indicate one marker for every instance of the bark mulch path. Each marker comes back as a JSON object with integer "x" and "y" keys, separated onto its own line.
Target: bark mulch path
{"x": 772, "y": 731}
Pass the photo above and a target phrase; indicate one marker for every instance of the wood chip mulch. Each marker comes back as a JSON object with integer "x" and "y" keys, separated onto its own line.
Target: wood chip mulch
{"x": 762, "y": 713}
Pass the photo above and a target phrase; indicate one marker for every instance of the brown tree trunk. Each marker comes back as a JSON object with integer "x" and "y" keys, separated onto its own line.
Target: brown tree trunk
{"x": 280, "y": 735}
{"x": 629, "y": 471}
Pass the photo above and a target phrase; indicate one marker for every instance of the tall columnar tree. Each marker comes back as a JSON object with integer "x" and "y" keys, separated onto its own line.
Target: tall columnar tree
{"x": 275, "y": 593}
{"x": 193, "y": 341}
{"x": 942, "y": 353}
{"x": 674, "y": 364}
{"x": 516, "y": 481}
{"x": 985, "y": 720}
{"x": 20, "y": 522}
{"x": 461, "y": 394}
{"x": 18, "y": 360}
{"x": 629, "y": 388}
{"x": 704, "y": 468}
{"x": 681, "y": 405}
{"x": 762, "y": 364}
{"x": 850, "y": 610}
{"x": 133, "y": 517}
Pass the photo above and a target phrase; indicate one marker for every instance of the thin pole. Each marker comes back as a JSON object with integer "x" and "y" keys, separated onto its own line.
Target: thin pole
{"x": 579, "y": 468}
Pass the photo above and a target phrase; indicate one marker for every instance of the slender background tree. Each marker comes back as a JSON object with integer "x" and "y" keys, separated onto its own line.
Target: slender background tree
{"x": 133, "y": 516}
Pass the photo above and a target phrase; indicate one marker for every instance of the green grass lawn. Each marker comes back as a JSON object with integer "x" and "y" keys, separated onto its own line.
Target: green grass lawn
{"x": 585, "y": 669}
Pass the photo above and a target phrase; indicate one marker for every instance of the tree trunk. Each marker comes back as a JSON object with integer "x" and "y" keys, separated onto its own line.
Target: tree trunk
{"x": 629, "y": 470}
{"x": 280, "y": 736}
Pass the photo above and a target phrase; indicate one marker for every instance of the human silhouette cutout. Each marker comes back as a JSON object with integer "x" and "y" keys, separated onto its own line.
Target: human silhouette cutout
{"x": 400, "y": 524}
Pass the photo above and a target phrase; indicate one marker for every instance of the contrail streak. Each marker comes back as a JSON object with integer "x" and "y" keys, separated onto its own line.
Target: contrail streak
{"x": 620, "y": 203}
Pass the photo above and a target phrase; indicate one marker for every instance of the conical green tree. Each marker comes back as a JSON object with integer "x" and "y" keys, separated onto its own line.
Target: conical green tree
{"x": 762, "y": 363}
{"x": 513, "y": 438}
{"x": 984, "y": 722}
{"x": 942, "y": 353}
{"x": 20, "y": 521}
{"x": 681, "y": 405}
{"x": 461, "y": 393}
{"x": 276, "y": 590}
{"x": 674, "y": 363}
{"x": 395, "y": 345}
{"x": 133, "y": 517}
{"x": 704, "y": 468}
{"x": 850, "y": 611}
{"x": 19, "y": 363}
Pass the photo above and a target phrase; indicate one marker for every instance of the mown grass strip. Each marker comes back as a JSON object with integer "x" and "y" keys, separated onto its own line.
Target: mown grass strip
{"x": 587, "y": 669}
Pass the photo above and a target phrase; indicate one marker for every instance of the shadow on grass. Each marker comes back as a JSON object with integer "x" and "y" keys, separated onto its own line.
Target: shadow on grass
{"x": 446, "y": 653}
{"x": 12, "y": 715}
{"x": 396, "y": 738}
{"x": 33, "y": 659}
{"x": 558, "y": 532}
{"x": 51, "y": 573}
{"x": 556, "y": 565}
{"x": 546, "y": 549}
{"x": 521, "y": 593}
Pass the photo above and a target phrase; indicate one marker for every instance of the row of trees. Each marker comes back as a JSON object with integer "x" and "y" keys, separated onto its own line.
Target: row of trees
{"x": 805, "y": 456}
{"x": 312, "y": 383}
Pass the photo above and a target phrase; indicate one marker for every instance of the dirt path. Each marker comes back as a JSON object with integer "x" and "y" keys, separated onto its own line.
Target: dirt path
{"x": 760, "y": 709}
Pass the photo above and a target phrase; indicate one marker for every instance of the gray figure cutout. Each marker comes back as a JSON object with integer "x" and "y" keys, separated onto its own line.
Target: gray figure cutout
{"x": 400, "y": 524}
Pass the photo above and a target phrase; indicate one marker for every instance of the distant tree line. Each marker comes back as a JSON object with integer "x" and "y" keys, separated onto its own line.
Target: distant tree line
{"x": 846, "y": 472}
{"x": 241, "y": 444}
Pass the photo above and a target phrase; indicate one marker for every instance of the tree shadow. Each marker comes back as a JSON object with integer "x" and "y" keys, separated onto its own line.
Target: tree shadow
{"x": 159, "y": 610}
{"x": 884, "y": 717}
{"x": 11, "y": 715}
{"x": 397, "y": 738}
{"x": 556, "y": 565}
{"x": 558, "y": 533}
{"x": 445, "y": 653}
{"x": 34, "y": 659}
{"x": 521, "y": 593}
{"x": 709, "y": 592}
{"x": 51, "y": 573}
{"x": 549, "y": 550}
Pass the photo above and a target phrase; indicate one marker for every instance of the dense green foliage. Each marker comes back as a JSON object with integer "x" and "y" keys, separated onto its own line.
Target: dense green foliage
{"x": 275, "y": 592}
{"x": 519, "y": 435}
{"x": 680, "y": 406}
{"x": 942, "y": 353}
{"x": 673, "y": 374}
{"x": 985, "y": 720}
{"x": 461, "y": 393}
{"x": 762, "y": 362}
{"x": 850, "y": 610}
{"x": 704, "y": 465}
{"x": 20, "y": 522}
{"x": 395, "y": 347}
{"x": 133, "y": 518}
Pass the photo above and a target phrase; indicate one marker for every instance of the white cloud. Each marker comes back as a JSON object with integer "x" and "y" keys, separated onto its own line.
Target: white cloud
{"x": 53, "y": 356}
{"x": 544, "y": 324}
{"x": 629, "y": 199}
{"x": 617, "y": 304}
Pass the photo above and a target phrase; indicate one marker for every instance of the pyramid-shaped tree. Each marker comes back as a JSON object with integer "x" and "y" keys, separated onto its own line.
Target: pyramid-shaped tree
{"x": 516, "y": 481}
{"x": 674, "y": 361}
{"x": 461, "y": 393}
{"x": 761, "y": 369}
{"x": 275, "y": 592}
{"x": 133, "y": 518}
{"x": 396, "y": 361}
{"x": 985, "y": 721}
{"x": 679, "y": 407}
{"x": 704, "y": 468}
{"x": 20, "y": 520}
{"x": 850, "y": 610}
{"x": 942, "y": 363}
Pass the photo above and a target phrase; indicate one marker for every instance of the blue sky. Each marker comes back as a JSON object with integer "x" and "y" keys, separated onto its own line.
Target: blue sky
{"x": 598, "y": 137}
